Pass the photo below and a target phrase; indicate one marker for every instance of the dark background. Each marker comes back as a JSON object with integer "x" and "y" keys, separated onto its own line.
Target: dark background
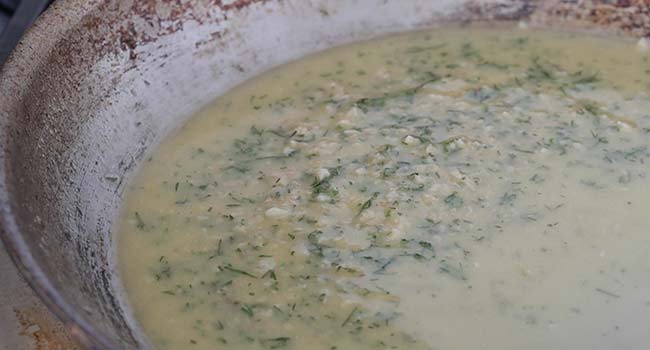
{"x": 15, "y": 17}
{"x": 7, "y": 8}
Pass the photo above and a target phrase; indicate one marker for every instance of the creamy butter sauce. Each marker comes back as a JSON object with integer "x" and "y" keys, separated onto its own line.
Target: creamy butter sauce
{"x": 452, "y": 189}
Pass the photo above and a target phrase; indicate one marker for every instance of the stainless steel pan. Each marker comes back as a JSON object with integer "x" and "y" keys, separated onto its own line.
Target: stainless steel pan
{"x": 94, "y": 85}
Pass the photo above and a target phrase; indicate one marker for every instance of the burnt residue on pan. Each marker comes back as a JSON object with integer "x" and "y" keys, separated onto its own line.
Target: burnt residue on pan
{"x": 631, "y": 17}
{"x": 154, "y": 19}
{"x": 149, "y": 20}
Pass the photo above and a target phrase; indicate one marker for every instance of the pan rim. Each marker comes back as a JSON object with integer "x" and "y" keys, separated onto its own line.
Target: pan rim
{"x": 15, "y": 74}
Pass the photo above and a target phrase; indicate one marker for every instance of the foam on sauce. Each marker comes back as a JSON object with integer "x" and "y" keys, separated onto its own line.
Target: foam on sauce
{"x": 452, "y": 189}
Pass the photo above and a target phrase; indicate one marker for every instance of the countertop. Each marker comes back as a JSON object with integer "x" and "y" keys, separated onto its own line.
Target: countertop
{"x": 25, "y": 323}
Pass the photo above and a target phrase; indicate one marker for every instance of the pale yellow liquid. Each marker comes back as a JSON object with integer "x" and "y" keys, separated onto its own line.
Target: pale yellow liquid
{"x": 453, "y": 189}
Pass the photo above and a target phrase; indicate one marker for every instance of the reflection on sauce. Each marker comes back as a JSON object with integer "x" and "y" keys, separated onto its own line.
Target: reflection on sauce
{"x": 452, "y": 189}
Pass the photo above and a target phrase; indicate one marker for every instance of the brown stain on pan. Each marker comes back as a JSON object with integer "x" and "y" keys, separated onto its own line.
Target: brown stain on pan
{"x": 130, "y": 24}
{"x": 155, "y": 19}
{"x": 631, "y": 17}
{"x": 46, "y": 333}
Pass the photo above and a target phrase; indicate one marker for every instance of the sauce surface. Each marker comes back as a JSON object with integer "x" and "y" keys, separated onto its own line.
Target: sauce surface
{"x": 452, "y": 189}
